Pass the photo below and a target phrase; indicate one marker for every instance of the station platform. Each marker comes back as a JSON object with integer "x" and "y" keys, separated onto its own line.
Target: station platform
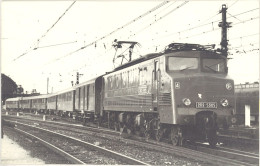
{"x": 14, "y": 154}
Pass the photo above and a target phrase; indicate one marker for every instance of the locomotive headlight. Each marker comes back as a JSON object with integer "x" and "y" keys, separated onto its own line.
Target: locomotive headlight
{"x": 224, "y": 102}
{"x": 186, "y": 101}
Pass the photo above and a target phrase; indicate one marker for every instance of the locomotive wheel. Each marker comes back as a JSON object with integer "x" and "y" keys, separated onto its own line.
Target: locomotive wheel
{"x": 146, "y": 135}
{"x": 121, "y": 127}
{"x": 176, "y": 136}
{"x": 116, "y": 126}
{"x": 129, "y": 131}
{"x": 158, "y": 134}
{"x": 141, "y": 131}
{"x": 212, "y": 142}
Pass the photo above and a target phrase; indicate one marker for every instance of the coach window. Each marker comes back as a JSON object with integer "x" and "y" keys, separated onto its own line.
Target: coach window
{"x": 108, "y": 83}
{"x": 141, "y": 76}
{"x": 125, "y": 79}
{"x": 117, "y": 81}
{"x": 120, "y": 80}
{"x": 130, "y": 78}
{"x": 114, "y": 81}
{"x": 136, "y": 77}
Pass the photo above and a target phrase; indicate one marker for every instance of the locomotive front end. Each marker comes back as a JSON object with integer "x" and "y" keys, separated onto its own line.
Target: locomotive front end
{"x": 199, "y": 96}
{"x": 202, "y": 93}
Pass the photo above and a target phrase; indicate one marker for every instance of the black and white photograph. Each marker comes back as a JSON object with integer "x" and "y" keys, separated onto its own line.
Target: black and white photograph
{"x": 126, "y": 82}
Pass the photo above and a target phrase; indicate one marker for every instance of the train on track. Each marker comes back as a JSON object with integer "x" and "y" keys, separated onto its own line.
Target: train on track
{"x": 183, "y": 92}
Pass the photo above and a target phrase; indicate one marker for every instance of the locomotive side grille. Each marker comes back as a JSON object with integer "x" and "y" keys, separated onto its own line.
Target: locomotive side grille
{"x": 140, "y": 100}
{"x": 165, "y": 99}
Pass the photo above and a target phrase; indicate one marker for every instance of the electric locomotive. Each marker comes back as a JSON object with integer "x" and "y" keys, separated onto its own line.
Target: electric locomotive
{"x": 181, "y": 93}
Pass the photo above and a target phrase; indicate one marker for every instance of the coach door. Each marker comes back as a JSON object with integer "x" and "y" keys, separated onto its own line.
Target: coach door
{"x": 155, "y": 84}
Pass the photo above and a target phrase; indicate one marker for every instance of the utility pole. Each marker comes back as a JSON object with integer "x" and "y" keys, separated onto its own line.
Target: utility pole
{"x": 224, "y": 25}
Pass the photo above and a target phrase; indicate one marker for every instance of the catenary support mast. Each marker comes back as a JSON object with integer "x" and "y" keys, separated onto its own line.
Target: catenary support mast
{"x": 224, "y": 25}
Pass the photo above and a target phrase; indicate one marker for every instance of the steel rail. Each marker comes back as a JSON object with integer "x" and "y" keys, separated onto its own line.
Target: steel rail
{"x": 239, "y": 151}
{"x": 226, "y": 138}
{"x": 55, "y": 149}
{"x": 78, "y": 126}
{"x": 241, "y": 157}
{"x": 180, "y": 151}
{"x": 107, "y": 152}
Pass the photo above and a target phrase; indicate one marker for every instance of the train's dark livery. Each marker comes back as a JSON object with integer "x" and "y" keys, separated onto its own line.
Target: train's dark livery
{"x": 181, "y": 93}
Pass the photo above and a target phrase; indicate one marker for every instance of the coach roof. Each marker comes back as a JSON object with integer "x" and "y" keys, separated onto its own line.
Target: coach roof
{"x": 13, "y": 99}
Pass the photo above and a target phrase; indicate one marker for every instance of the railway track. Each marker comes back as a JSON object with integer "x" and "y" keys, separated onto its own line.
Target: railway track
{"x": 238, "y": 155}
{"x": 236, "y": 139}
{"x": 110, "y": 141}
{"x": 75, "y": 150}
{"x": 53, "y": 148}
{"x": 214, "y": 156}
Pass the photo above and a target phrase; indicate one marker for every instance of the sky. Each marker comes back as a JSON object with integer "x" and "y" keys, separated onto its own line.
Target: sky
{"x": 42, "y": 40}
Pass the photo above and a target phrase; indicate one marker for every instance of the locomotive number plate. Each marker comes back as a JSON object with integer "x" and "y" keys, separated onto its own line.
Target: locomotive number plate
{"x": 206, "y": 105}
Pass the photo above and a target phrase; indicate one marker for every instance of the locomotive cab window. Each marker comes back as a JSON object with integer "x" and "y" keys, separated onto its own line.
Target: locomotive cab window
{"x": 182, "y": 63}
{"x": 213, "y": 65}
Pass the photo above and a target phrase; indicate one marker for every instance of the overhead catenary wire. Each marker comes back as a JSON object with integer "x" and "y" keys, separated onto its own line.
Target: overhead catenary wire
{"x": 38, "y": 40}
{"x": 233, "y": 4}
{"x": 247, "y": 45}
{"x": 121, "y": 27}
{"x": 56, "y": 21}
{"x": 154, "y": 15}
{"x": 233, "y": 16}
{"x": 53, "y": 45}
{"x": 155, "y": 8}
{"x": 244, "y": 36}
{"x": 251, "y": 19}
{"x": 160, "y": 18}
{"x": 201, "y": 25}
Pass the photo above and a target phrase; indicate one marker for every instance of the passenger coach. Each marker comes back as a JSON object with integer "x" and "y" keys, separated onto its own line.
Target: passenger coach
{"x": 12, "y": 104}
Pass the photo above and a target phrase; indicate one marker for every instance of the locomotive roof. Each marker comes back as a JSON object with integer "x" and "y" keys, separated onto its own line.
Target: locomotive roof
{"x": 173, "y": 47}
{"x": 138, "y": 60}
